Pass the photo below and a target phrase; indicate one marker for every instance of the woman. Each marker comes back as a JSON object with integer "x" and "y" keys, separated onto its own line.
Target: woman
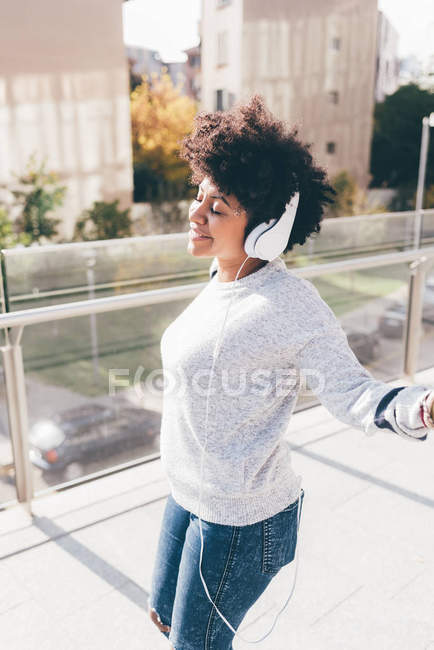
{"x": 248, "y": 167}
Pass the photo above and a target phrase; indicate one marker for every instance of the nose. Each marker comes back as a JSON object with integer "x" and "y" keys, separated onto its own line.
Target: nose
{"x": 197, "y": 213}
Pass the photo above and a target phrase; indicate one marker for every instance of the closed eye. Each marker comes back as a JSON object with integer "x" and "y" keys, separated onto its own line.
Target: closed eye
{"x": 212, "y": 210}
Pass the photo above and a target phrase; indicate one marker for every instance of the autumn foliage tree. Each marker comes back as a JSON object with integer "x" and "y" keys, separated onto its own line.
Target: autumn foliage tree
{"x": 160, "y": 117}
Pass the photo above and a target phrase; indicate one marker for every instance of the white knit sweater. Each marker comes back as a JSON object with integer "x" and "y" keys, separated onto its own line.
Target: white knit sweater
{"x": 280, "y": 336}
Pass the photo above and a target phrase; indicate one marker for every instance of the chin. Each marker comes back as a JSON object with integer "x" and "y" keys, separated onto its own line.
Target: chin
{"x": 200, "y": 250}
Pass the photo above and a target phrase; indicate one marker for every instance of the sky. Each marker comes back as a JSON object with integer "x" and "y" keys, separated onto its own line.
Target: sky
{"x": 170, "y": 26}
{"x": 414, "y": 21}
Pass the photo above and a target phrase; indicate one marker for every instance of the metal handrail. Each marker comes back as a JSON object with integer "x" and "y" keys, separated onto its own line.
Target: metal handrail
{"x": 14, "y": 323}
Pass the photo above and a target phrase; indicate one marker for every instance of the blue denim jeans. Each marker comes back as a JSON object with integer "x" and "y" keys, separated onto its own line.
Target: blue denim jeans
{"x": 238, "y": 563}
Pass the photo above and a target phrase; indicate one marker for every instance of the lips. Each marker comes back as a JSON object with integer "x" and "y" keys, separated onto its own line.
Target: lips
{"x": 199, "y": 233}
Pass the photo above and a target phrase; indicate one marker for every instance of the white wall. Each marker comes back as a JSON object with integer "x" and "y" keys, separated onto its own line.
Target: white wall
{"x": 216, "y": 20}
{"x": 64, "y": 94}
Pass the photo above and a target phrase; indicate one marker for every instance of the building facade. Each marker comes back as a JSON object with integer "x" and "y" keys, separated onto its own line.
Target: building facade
{"x": 185, "y": 75}
{"x": 64, "y": 95}
{"x": 193, "y": 72}
{"x": 144, "y": 60}
{"x": 313, "y": 61}
{"x": 387, "y": 61}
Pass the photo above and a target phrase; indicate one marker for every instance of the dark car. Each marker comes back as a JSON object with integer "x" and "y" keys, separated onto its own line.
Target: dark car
{"x": 365, "y": 345}
{"x": 84, "y": 434}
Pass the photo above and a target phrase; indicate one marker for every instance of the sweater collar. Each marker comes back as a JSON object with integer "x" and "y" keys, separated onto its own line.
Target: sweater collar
{"x": 252, "y": 280}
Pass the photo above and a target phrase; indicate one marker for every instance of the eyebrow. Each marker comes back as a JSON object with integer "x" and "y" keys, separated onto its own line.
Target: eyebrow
{"x": 216, "y": 197}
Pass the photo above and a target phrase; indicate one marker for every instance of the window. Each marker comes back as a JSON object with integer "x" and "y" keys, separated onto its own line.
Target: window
{"x": 331, "y": 147}
{"x": 223, "y": 99}
{"x": 219, "y": 100}
{"x": 334, "y": 96}
{"x": 336, "y": 43}
{"x": 222, "y": 48}
{"x": 223, "y": 3}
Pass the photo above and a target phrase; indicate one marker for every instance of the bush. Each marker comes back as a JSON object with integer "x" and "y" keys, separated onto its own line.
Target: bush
{"x": 9, "y": 238}
{"x": 350, "y": 199}
{"x": 103, "y": 220}
{"x": 37, "y": 193}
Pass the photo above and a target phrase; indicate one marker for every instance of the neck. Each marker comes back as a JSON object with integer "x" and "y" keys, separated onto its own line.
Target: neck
{"x": 228, "y": 269}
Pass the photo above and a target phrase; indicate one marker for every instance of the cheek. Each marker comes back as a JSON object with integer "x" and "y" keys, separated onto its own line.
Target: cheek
{"x": 229, "y": 229}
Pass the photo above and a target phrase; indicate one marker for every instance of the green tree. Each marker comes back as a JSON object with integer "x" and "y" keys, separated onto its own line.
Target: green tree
{"x": 429, "y": 197}
{"x": 38, "y": 193}
{"x": 8, "y": 238}
{"x": 103, "y": 220}
{"x": 396, "y": 138}
{"x": 350, "y": 199}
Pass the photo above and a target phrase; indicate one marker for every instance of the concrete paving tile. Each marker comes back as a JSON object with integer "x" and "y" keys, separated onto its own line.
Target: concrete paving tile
{"x": 63, "y": 576}
{"x": 127, "y": 542}
{"x": 415, "y": 599}
{"x": 116, "y": 621}
{"x": 318, "y": 589}
{"x": 14, "y": 518}
{"x": 12, "y": 591}
{"x": 25, "y": 537}
{"x": 331, "y": 483}
{"x": 367, "y": 620}
{"x": 371, "y": 560}
{"x": 395, "y": 514}
{"x": 26, "y": 626}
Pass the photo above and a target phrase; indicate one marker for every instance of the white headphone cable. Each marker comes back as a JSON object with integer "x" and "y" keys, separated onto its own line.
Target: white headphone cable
{"x": 200, "y": 495}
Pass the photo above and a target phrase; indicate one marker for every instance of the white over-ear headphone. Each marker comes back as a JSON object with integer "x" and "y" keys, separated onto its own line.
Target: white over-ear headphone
{"x": 266, "y": 241}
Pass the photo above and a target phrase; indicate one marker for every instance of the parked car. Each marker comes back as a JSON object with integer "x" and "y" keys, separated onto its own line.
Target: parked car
{"x": 84, "y": 434}
{"x": 391, "y": 323}
{"x": 365, "y": 345}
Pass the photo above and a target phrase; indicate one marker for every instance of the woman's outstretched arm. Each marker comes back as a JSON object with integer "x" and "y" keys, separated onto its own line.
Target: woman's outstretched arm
{"x": 331, "y": 370}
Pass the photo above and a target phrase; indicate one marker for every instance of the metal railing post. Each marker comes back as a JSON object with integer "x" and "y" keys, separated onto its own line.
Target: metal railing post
{"x": 418, "y": 224}
{"x": 413, "y": 323}
{"x": 17, "y": 415}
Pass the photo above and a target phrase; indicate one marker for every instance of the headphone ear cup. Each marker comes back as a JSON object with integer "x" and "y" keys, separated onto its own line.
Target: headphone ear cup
{"x": 252, "y": 238}
{"x": 268, "y": 240}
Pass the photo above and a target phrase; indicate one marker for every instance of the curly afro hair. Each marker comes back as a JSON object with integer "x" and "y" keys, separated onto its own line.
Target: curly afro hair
{"x": 247, "y": 152}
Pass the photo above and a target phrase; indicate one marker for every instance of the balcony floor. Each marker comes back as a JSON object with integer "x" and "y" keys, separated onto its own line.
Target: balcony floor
{"x": 78, "y": 574}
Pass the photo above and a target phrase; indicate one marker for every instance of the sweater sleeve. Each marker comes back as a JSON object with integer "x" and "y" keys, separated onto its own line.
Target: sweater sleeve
{"x": 329, "y": 368}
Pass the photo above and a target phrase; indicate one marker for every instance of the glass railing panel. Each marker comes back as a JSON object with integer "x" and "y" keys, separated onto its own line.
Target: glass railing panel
{"x": 371, "y": 307}
{"x": 43, "y": 275}
{"x": 94, "y": 397}
{"x": 428, "y": 228}
{"x": 357, "y": 236}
